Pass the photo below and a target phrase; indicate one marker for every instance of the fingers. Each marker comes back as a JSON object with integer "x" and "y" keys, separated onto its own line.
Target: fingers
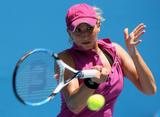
{"x": 102, "y": 77}
{"x": 126, "y": 33}
{"x": 139, "y": 34}
{"x": 101, "y": 69}
{"x": 139, "y": 30}
{"x": 133, "y": 37}
{"x": 135, "y": 42}
{"x": 56, "y": 76}
{"x": 97, "y": 67}
{"x": 104, "y": 74}
{"x": 104, "y": 71}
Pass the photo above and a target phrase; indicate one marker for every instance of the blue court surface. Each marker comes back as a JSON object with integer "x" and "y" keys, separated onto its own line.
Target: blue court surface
{"x": 28, "y": 24}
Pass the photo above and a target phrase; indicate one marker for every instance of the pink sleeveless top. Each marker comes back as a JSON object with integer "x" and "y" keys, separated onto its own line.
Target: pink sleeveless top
{"x": 109, "y": 89}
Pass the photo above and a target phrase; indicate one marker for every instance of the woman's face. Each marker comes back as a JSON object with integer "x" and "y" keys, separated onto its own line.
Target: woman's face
{"x": 85, "y": 36}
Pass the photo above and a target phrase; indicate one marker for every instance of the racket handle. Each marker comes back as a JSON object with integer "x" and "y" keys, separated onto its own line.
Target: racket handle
{"x": 89, "y": 73}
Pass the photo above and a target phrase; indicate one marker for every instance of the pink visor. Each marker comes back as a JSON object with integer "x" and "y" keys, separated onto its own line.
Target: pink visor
{"x": 80, "y": 13}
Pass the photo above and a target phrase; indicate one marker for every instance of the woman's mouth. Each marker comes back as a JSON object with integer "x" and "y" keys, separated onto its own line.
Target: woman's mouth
{"x": 85, "y": 43}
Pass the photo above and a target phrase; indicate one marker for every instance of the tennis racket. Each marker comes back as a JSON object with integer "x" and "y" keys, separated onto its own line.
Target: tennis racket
{"x": 39, "y": 75}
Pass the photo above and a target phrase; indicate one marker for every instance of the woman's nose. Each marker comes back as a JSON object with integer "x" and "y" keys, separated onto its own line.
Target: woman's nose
{"x": 85, "y": 34}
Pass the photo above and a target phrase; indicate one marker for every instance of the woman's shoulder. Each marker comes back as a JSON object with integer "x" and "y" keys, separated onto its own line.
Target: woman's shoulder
{"x": 115, "y": 44}
{"x": 118, "y": 47}
{"x": 66, "y": 57}
{"x": 121, "y": 52}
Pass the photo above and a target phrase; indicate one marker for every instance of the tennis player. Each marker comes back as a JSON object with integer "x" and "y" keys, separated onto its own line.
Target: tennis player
{"x": 110, "y": 59}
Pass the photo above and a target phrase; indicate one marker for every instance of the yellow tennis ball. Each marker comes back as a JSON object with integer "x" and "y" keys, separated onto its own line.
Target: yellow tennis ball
{"x": 95, "y": 102}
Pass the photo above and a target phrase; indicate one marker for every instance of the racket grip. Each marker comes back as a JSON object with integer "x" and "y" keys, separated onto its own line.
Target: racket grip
{"x": 89, "y": 73}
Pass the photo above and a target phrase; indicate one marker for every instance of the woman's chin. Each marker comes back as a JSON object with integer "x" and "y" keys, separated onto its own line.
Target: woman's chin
{"x": 88, "y": 47}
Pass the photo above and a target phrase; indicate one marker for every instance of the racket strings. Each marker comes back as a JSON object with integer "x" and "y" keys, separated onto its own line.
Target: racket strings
{"x": 35, "y": 80}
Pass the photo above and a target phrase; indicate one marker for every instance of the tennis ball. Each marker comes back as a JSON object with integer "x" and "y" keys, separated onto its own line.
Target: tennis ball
{"x": 95, "y": 102}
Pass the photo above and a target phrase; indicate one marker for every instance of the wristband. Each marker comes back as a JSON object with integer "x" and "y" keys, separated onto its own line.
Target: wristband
{"x": 90, "y": 84}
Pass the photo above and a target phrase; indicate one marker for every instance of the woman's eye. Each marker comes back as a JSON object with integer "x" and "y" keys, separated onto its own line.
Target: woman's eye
{"x": 89, "y": 28}
{"x": 78, "y": 30}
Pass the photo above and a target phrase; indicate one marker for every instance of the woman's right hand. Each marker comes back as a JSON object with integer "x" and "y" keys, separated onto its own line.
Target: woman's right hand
{"x": 101, "y": 76}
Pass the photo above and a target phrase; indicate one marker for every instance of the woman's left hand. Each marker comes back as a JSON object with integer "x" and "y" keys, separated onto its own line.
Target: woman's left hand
{"x": 132, "y": 39}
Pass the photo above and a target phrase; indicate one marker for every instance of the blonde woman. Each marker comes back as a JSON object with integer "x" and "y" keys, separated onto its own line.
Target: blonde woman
{"x": 110, "y": 59}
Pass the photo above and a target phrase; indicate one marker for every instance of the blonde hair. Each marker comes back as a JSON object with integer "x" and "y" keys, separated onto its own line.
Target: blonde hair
{"x": 99, "y": 13}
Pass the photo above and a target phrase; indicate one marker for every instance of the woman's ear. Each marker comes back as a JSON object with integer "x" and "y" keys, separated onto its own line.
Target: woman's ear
{"x": 98, "y": 22}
